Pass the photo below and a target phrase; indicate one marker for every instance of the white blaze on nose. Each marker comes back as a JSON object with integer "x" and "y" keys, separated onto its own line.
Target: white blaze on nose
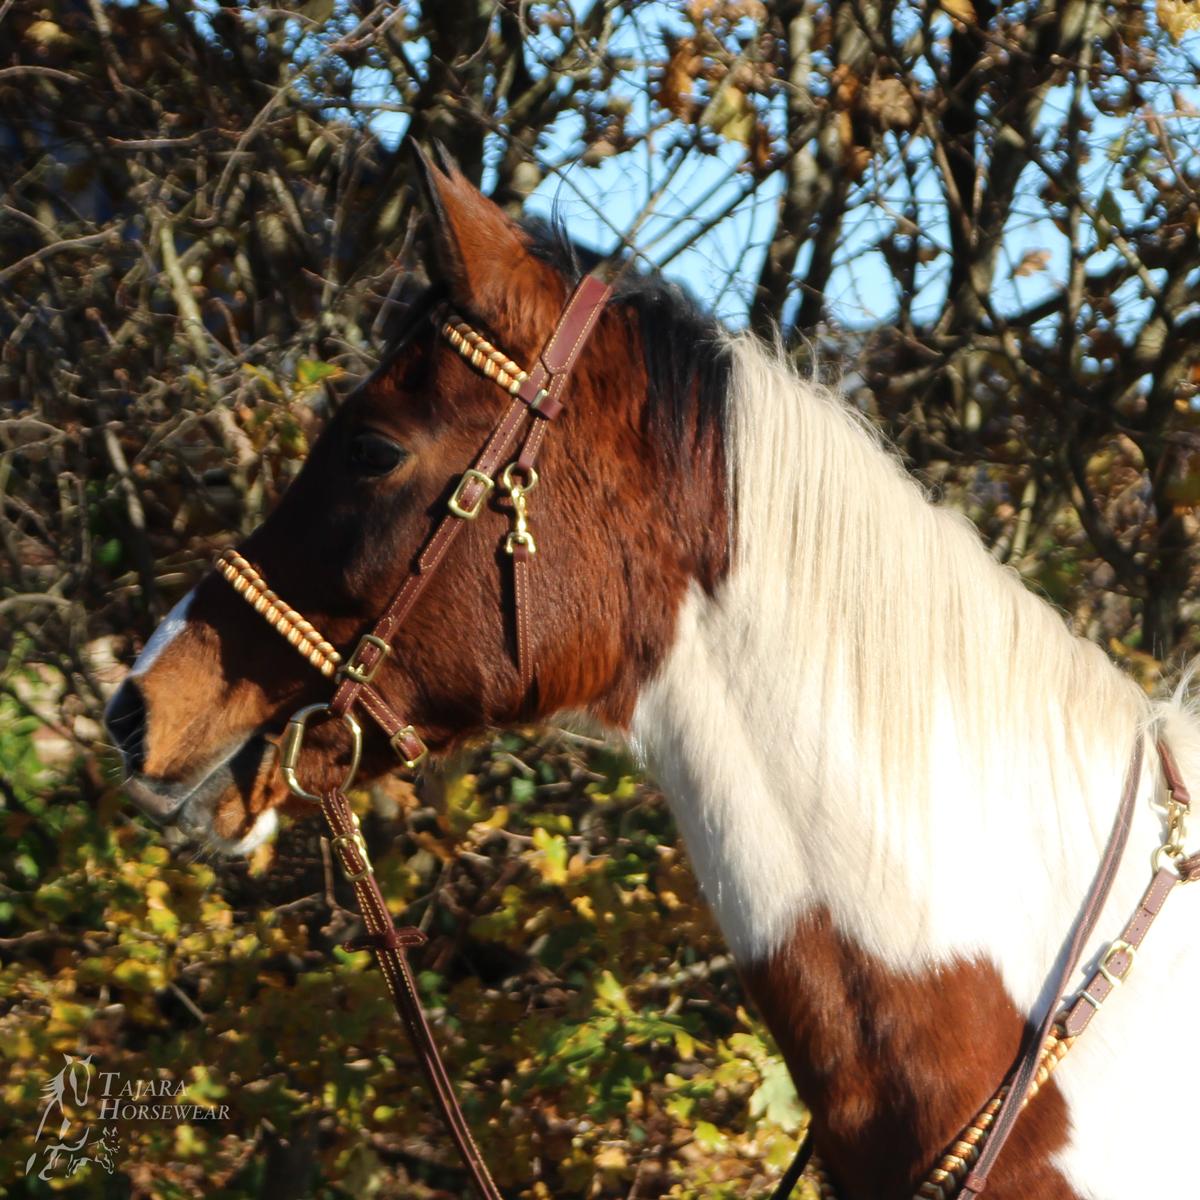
{"x": 169, "y": 628}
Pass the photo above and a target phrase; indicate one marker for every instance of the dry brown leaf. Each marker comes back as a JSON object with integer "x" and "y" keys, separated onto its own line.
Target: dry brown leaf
{"x": 1032, "y": 261}
{"x": 675, "y": 93}
{"x": 890, "y": 104}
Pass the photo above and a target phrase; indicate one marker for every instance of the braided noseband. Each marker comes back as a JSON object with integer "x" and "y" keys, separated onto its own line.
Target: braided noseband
{"x": 285, "y": 620}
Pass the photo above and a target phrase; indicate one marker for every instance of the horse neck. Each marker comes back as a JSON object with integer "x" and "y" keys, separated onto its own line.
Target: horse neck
{"x": 871, "y": 730}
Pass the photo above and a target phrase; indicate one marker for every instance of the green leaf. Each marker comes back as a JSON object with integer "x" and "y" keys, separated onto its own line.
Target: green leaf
{"x": 709, "y": 1136}
{"x": 521, "y": 791}
{"x": 310, "y": 371}
{"x": 611, "y": 994}
{"x": 1107, "y": 207}
{"x": 775, "y": 1097}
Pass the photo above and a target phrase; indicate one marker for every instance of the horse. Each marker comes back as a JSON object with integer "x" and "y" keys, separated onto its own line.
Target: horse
{"x": 894, "y": 767}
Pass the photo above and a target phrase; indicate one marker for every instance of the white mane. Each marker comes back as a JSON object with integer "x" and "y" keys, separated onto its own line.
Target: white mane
{"x": 873, "y": 717}
{"x": 900, "y": 612}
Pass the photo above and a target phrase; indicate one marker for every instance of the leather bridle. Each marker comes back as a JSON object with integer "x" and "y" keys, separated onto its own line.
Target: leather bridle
{"x": 537, "y": 399}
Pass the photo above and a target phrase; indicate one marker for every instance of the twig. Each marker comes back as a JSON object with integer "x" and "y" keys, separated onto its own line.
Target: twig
{"x": 88, "y": 239}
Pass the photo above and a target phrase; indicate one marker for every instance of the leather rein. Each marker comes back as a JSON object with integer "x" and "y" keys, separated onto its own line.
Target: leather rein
{"x": 537, "y": 399}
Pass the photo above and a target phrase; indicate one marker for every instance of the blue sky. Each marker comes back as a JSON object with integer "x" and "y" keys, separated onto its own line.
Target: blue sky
{"x": 597, "y": 201}
{"x": 721, "y": 267}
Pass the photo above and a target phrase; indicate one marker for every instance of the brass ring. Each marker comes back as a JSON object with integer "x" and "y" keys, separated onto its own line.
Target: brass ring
{"x": 293, "y": 741}
{"x": 507, "y": 482}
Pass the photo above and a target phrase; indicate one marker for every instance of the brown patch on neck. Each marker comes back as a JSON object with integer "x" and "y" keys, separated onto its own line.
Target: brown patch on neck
{"x": 893, "y": 1066}
{"x": 614, "y": 572}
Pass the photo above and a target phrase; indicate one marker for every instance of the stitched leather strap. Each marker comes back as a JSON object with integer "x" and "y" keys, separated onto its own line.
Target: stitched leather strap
{"x": 389, "y": 945}
{"x": 522, "y": 565}
{"x": 539, "y": 400}
{"x": 1022, "y": 1081}
{"x": 1117, "y": 960}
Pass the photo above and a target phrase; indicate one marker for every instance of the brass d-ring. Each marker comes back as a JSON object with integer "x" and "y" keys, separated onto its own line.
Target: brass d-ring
{"x": 293, "y": 741}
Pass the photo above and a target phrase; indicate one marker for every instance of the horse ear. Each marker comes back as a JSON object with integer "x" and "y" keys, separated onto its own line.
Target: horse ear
{"x": 476, "y": 247}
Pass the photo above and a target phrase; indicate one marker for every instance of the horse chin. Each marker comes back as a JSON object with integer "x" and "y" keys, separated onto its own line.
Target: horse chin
{"x": 230, "y": 809}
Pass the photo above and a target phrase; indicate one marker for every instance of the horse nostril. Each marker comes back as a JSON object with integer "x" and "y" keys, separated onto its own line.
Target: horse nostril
{"x": 125, "y": 720}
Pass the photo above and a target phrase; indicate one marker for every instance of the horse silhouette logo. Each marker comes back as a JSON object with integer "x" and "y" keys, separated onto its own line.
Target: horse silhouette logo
{"x": 72, "y": 1146}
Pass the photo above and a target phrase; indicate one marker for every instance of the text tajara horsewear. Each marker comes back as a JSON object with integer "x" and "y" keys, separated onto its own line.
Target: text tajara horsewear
{"x": 537, "y": 395}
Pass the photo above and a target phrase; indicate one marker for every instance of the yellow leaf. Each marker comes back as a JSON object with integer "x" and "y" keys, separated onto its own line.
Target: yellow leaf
{"x": 611, "y": 1158}
{"x": 1178, "y": 17}
{"x": 612, "y": 995}
{"x": 731, "y": 114}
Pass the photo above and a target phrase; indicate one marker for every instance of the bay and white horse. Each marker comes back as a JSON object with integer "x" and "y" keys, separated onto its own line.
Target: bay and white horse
{"x": 894, "y": 767}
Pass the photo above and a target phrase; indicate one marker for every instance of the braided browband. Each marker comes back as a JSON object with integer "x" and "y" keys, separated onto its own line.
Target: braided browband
{"x": 482, "y": 355}
{"x": 300, "y": 633}
{"x": 252, "y": 587}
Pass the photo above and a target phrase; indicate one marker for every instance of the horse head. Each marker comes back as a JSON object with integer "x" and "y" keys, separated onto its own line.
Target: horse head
{"x": 78, "y": 1072}
{"x": 630, "y": 510}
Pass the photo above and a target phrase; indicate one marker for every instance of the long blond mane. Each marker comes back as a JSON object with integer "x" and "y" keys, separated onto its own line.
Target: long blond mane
{"x": 898, "y": 609}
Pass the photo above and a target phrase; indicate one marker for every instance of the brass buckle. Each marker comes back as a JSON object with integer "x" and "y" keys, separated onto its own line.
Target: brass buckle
{"x": 408, "y": 732}
{"x": 354, "y": 839}
{"x": 293, "y": 741}
{"x": 469, "y": 514}
{"x": 359, "y": 674}
{"x": 1120, "y": 946}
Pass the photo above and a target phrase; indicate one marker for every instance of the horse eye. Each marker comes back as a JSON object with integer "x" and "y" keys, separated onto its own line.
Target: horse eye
{"x": 373, "y": 454}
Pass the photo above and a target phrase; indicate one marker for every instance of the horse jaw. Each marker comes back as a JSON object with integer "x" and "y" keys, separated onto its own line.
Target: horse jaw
{"x": 230, "y": 809}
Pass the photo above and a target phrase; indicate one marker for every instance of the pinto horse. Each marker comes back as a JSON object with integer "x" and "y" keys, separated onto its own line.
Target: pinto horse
{"x": 894, "y": 768}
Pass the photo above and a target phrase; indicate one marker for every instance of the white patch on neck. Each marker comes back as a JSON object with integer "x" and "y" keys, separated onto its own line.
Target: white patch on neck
{"x": 871, "y": 716}
{"x": 168, "y": 629}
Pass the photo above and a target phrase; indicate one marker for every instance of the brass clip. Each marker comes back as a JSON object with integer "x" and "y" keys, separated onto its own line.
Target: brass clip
{"x": 519, "y": 535}
{"x": 1172, "y": 846}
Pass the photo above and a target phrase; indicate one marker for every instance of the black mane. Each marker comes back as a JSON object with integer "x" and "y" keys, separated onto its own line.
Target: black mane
{"x": 687, "y": 366}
